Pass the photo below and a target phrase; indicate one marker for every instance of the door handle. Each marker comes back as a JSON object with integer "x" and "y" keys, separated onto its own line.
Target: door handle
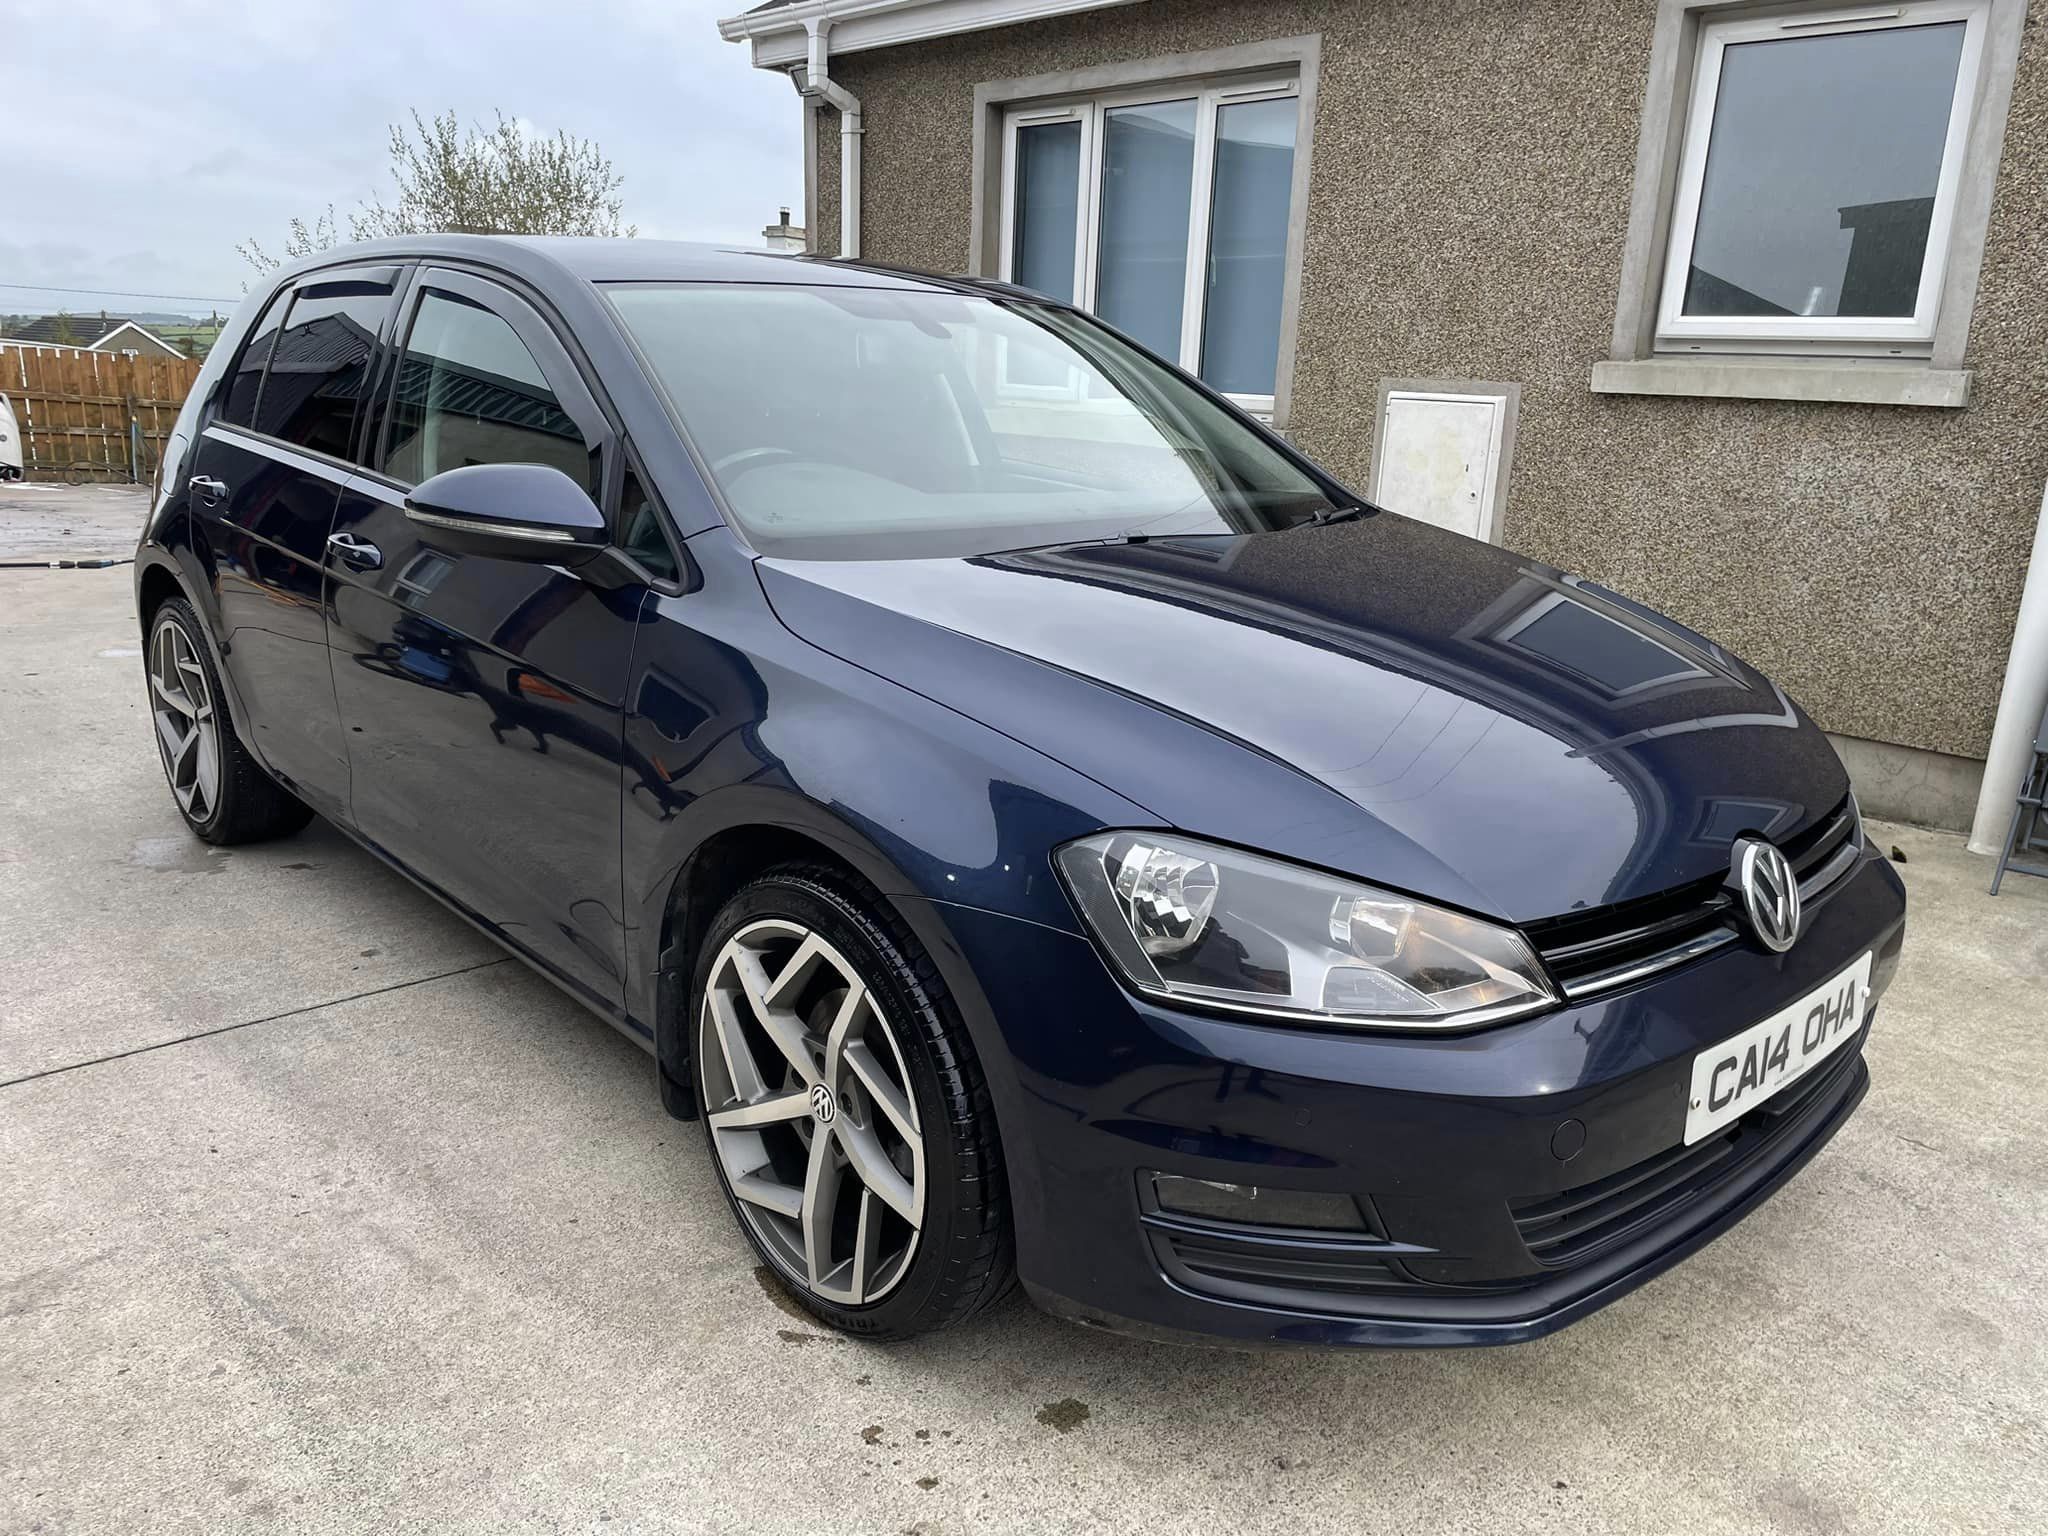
{"x": 207, "y": 489}
{"x": 357, "y": 554}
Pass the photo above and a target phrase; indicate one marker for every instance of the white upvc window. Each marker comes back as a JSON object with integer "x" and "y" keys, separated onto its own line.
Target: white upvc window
{"x": 1818, "y": 177}
{"x": 1165, "y": 211}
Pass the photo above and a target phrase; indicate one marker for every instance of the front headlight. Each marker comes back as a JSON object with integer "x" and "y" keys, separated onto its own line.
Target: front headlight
{"x": 1194, "y": 922}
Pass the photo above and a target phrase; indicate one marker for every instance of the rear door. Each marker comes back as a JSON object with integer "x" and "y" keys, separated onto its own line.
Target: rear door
{"x": 263, "y": 481}
{"x": 481, "y": 699}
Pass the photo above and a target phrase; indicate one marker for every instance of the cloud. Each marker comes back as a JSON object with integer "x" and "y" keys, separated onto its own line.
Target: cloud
{"x": 204, "y": 122}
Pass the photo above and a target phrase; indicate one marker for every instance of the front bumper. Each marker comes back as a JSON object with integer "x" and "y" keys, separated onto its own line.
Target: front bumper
{"x": 1478, "y": 1229}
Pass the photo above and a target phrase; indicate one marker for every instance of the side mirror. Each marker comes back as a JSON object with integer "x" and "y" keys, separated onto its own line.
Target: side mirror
{"x": 509, "y": 512}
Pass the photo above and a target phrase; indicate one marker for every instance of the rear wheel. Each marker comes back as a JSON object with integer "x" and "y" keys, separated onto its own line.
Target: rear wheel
{"x": 222, "y": 792}
{"x": 846, "y": 1111}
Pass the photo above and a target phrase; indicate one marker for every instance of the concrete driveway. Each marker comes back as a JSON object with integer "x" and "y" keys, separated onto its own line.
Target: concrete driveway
{"x": 45, "y": 521}
{"x": 316, "y": 1212}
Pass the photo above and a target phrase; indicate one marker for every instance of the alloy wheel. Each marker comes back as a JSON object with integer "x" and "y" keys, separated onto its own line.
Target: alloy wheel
{"x": 811, "y": 1113}
{"x": 187, "y": 726}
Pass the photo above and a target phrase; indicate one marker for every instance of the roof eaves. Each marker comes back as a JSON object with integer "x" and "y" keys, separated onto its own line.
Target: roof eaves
{"x": 778, "y": 31}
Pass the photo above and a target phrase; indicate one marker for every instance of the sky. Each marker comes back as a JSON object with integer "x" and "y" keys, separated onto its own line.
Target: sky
{"x": 150, "y": 137}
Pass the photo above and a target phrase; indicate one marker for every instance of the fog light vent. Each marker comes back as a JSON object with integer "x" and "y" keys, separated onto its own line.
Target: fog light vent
{"x": 1254, "y": 1205}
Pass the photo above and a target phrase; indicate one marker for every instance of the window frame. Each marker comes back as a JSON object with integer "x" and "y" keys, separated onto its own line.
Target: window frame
{"x": 1209, "y": 97}
{"x": 1014, "y": 122}
{"x": 1016, "y": 119}
{"x": 1821, "y": 372}
{"x": 1296, "y": 58}
{"x": 1675, "y": 330}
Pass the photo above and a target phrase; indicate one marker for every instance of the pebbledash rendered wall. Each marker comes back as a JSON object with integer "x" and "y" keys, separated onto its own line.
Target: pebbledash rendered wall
{"x": 1471, "y": 173}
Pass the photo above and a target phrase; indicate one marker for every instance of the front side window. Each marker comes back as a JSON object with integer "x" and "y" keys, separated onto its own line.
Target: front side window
{"x": 469, "y": 392}
{"x": 1818, "y": 178}
{"x": 907, "y": 433}
{"x": 1166, "y": 213}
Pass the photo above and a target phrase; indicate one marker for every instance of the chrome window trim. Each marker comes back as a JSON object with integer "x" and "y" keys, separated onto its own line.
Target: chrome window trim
{"x": 288, "y": 454}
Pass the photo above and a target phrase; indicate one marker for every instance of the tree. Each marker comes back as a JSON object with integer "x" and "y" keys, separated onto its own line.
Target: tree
{"x": 502, "y": 180}
{"x": 302, "y": 239}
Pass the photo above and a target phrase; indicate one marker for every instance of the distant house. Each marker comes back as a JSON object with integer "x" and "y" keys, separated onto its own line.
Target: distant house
{"x": 194, "y": 338}
{"x": 99, "y": 332}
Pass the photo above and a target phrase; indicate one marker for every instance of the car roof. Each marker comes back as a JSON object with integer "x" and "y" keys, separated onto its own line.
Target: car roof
{"x": 619, "y": 260}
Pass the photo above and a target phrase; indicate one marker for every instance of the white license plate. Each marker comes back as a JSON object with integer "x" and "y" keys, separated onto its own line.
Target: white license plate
{"x": 1744, "y": 1070}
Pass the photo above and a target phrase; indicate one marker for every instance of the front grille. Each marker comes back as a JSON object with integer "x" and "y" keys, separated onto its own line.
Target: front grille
{"x": 1812, "y": 850}
{"x": 1586, "y": 946}
{"x": 1590, "y": 952}
{"x": 1566, "y": 1229}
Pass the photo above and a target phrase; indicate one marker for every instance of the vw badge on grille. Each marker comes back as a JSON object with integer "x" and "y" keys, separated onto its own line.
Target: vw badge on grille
{"x": 1770, "y": 892}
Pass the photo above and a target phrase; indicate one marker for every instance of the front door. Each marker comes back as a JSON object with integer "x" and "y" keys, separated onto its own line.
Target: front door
{"x": 264, "y": 478}
{"x": 481, "y": 699}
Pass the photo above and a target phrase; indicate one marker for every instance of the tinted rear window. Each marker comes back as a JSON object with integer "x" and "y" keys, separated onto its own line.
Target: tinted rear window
{"x": 317, "y": 369}
{"x": 247, "y": 380}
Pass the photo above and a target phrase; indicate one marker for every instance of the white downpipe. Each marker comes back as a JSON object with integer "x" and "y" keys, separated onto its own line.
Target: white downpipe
{"x": 818, "y": 82}
{"x": 2019, "y": 703}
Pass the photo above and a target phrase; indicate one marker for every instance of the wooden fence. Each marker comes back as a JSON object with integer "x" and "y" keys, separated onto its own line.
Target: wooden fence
{"x": 92, "y": 415}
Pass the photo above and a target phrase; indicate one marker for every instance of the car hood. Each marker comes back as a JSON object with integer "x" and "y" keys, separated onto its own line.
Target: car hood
{"x": 1513, "y": 739}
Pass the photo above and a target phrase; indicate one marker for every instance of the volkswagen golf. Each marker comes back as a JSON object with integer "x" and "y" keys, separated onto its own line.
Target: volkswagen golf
{"x": 1044, "y": 828}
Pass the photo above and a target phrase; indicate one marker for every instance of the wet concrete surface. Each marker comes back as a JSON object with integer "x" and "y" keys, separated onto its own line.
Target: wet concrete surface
{"x": 70, "y": 522}
{"x": 318, "y": 1214}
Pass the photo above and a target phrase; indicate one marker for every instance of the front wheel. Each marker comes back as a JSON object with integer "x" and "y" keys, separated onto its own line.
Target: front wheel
{"x": 847, "y": 1114}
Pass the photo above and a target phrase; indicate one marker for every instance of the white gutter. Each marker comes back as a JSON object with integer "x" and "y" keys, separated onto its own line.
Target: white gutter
{"x": 2020, "y": 703}
{"x": 815, "y": 81}
{"x": 777, "y": 33}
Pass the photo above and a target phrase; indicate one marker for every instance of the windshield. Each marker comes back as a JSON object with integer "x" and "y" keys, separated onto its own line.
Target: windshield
{"x": 869, "y": 423}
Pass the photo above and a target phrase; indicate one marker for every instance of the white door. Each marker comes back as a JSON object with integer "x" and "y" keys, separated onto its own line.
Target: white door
{"x": 1439, "y": 459}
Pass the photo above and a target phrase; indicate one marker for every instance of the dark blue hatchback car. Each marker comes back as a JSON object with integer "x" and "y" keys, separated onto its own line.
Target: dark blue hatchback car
{"x": 1045, "y": 827}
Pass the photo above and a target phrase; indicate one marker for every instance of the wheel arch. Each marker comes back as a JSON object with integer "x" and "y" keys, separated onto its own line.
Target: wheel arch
{"x": 163, "y": 572}
{"x": 738, "y": 833}
{"x": 155, "y": 584}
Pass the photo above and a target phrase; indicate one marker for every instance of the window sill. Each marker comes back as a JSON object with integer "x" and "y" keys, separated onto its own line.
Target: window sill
{"x": 1786, "y": 378}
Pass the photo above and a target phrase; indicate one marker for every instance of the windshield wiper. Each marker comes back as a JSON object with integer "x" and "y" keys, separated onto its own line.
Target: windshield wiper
{"x": 1344, "y": 514}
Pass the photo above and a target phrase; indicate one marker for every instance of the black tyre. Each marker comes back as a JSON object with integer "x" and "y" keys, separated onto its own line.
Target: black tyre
{"x": 846, "y": 1111}
{"x": 221, "y": 791}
